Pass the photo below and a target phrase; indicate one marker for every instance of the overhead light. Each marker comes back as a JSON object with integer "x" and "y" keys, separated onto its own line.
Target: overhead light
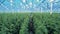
{"x": 24, "y": 1}
{"x": 51, "y": 0}
{"x": 11, "y": 1}
{"x": 30, "y": 4}
{"x": 27, "y": 6}
{"x": 20, "y": 3}
{"x": 37, "y": 0}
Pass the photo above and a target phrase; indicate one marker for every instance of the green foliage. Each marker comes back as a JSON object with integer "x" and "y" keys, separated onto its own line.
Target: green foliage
{"x": 39, "y": 25}
{"x": 47, "y": 24}
{"x": 10, "y": 23}
{"x": 24, "y": 26}
{"x": 17, "y": 23}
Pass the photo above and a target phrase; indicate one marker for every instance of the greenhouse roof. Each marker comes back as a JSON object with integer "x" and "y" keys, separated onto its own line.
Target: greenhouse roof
{"x": 29, "y": 5}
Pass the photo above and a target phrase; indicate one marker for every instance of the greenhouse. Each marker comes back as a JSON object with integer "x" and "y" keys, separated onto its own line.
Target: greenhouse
{"x": 29, "y": 16}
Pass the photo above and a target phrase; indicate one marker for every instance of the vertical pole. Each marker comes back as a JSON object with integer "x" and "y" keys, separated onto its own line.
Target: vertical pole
{"x": 11, "y": 4}
{"x": 51, "y": 5}
{"x": 51, "y": 8}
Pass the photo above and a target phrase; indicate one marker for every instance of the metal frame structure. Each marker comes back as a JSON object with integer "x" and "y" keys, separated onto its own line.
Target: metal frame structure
{"x": 26, "y": 5}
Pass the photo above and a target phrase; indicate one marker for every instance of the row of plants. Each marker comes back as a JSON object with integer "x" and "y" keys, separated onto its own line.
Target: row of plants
{"x": 47, "y": 24}
{"x": 11, "y": 23}
{"x": 27, "y": 23}
{"x": 24, "y": 27}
